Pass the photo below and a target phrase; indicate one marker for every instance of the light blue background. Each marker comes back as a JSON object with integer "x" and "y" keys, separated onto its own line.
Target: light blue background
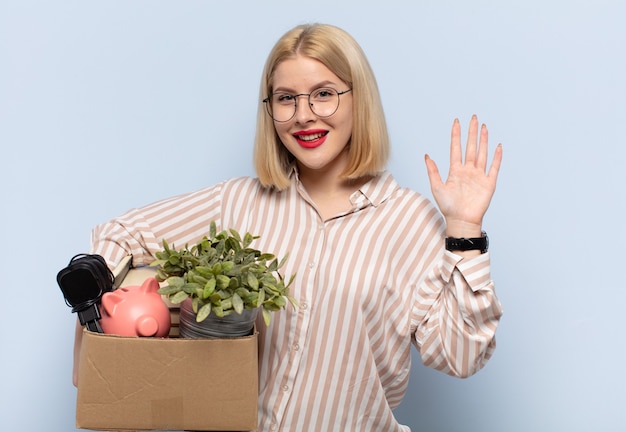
{"x": 110, "y": 105}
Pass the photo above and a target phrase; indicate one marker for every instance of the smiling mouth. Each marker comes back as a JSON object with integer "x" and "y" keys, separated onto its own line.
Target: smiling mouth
{"x": 310, "y": 137}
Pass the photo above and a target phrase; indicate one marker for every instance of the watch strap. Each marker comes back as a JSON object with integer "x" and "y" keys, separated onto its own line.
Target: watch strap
{"x": 466, "y": 244}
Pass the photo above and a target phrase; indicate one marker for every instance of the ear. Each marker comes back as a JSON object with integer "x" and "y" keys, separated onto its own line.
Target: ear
{"x": 150, "y": 285}
{"x": 110, "y": 300}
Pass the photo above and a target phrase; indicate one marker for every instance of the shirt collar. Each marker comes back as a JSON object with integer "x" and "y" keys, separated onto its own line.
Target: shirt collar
{"x": 378, "y": 189}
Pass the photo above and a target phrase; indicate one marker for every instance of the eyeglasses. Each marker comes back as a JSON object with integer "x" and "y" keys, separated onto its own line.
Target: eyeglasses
{"x": 324, "y": 102}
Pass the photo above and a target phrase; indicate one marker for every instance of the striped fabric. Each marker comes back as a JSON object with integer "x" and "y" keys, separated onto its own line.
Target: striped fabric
{"x": 370, "y": 283}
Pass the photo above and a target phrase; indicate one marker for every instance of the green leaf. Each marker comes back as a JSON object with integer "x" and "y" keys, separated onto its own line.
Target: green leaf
{"x": 273, "y": 266}
{"x": 251, "y": 299}
{"x": 204, "y": 312}
{"x": 161, "y": 275}
{"x": 267, "y": 317}
{"x": 249, "y": 258}
{"x": 227, "y": 266}
{"x": 168, "y": 290}
{"x": 269, "y": 306}
{"x": 294, "y": 302}
{"x": 233, "y": 244}
{"x": 217, "y": 268}
{"x": 253, "y": 282}
{"x": 242, "y": 292}
{"x": 227, "y": 303}
{"x": 179, "y": 297}
{"x": 237, "y": 303}
{"x": 192, "y": 288}
{"x": 280, "y": 301}
{"x": 212, "y": 229}
{"x": 247, "y": 239}
{"x": 235, "y": 234}
{"x": 218, "y": 311}
{"x": 261, "y": 298}
{"x": 192, "y": 276}
{"x": 209, "y": 288}
{"x": 270, "y": 289}
{"x": 205, "y": 271}
{"x": 233, "y": 284}
{"x": 176, "y": 281}
{"x": 222, "y": 281}
{"x": 283, "y": 261}
{"x": 236, "y": 270}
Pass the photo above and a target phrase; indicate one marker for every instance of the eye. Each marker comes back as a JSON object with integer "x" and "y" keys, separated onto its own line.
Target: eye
{"x": 323, "y": 94}
{"x": 283, "y": 98}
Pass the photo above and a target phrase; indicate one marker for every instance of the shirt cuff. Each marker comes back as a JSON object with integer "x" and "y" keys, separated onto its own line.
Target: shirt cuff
{"x": 476, "y": 271}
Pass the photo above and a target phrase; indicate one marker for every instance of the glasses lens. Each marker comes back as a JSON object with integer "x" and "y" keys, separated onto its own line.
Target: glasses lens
{"x": 282, "y": 106}
{"x": 324, "y": 102}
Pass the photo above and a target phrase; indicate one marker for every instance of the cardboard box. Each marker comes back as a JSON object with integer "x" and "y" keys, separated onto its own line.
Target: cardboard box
{"x": 128, "y": 383}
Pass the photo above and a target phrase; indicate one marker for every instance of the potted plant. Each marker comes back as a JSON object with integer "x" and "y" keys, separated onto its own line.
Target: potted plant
{"x": 222, "y": 279}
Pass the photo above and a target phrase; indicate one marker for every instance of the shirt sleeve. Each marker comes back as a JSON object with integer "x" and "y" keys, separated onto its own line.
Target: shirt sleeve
{"x": 456, "y": 315}
{"x": 179, "y": 220}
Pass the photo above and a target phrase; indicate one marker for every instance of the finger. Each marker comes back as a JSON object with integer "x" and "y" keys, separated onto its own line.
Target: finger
{"x": 495, "y": 163}
{"x": 472, "y": 138}
{"x": 433, "y": 173}
{"x": 456, "y": 154}
{"x": 483, "y": 152}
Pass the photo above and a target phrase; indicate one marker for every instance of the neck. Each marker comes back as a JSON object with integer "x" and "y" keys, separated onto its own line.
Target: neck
{"x": 326, "y": 181}
{"x": 330, "y": 193}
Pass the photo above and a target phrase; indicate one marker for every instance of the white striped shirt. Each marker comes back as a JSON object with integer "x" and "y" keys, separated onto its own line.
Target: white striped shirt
{"x": 370, "y": 283}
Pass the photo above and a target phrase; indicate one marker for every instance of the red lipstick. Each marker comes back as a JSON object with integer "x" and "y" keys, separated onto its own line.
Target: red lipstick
{"x": 311, "y": 138}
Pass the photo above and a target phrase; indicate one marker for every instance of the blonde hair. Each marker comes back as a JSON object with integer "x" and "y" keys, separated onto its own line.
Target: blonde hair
{"x": 341, "y": 54}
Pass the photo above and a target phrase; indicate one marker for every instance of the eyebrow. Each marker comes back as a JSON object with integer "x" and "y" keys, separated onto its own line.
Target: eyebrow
{"x": 325, "y": 83}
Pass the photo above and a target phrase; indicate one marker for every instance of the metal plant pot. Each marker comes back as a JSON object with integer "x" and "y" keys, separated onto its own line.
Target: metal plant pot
{"x": 233, "y": 325}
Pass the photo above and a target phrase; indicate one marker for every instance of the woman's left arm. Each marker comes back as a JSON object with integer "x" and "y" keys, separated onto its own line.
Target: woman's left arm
{"x": 457, "y": 334}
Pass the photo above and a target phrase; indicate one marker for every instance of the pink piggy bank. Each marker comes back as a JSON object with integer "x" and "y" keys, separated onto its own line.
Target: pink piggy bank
{"x": 135, "y": 311}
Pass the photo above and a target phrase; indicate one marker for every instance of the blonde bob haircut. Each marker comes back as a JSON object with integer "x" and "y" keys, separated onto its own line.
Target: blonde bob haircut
{"x": 341, "y": 54}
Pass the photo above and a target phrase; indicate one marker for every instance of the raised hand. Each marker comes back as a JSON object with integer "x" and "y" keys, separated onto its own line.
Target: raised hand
{"x": 465, "y": 196}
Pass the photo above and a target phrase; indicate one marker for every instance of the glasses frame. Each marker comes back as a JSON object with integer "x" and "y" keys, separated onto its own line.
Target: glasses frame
{"x": 268, "y": 108}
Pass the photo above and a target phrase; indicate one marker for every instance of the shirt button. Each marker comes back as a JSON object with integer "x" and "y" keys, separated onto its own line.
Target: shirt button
{"x": 273, "y": 426}
{"x": 285, "y": 388}
{"x": 304, "y": 306}
{"x": 296, "y": 347}
{"x": 312, "y": 264}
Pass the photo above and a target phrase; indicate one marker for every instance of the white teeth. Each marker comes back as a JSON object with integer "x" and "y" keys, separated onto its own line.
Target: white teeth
{"x": 311, "y": 137}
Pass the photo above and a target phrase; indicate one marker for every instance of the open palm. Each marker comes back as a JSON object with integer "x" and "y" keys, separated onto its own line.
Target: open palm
{"x": 465, "y": 196}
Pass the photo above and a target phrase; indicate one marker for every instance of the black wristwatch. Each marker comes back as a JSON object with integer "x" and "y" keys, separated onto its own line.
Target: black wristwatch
{"x": 466, "y": 244}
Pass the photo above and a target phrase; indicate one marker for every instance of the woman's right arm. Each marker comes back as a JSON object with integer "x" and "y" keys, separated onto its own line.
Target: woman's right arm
{"x": 180, "y": 220}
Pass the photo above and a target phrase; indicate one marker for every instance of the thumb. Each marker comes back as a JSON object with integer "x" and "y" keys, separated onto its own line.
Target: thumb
{"x": 433, "y": 172}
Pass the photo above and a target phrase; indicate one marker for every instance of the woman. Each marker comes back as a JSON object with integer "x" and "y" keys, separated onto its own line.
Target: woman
{"x": 377, "y": 266}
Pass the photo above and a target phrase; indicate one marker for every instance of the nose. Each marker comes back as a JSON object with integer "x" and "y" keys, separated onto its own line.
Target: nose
{"x": 304, "y": 113}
